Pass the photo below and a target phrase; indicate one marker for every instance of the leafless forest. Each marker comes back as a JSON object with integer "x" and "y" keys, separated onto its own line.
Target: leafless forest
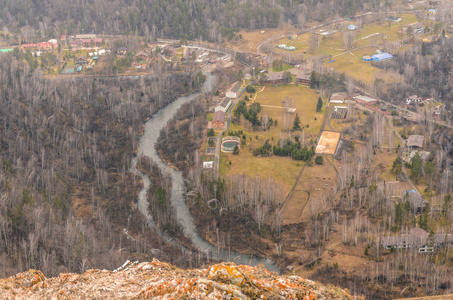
{"x": 65, "y": 150}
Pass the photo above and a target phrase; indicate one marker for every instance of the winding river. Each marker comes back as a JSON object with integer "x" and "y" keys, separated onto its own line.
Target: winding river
{"x": 182, "y": 214}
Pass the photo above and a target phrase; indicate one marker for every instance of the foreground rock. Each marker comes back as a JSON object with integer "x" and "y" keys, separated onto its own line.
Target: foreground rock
{"x": 158, "y": 280}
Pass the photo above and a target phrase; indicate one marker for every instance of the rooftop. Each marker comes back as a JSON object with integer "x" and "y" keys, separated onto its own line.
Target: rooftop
{"x": 415, "y": 140}
{"x": 225, "y": 102}
{"x": 365, "y": 98}
{"x": 338, "y": 96}
{"x": 302, "y": 76}
{"x": 274, "y": 76}
{"x": 218, "y": 116}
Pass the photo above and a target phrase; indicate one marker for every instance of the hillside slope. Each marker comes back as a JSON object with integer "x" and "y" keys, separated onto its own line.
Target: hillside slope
{"x": 158, "y": 280}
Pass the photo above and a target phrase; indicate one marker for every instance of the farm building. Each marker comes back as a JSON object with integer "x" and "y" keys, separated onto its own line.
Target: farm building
{"x": 218, "y": 119}
{"x": 338, "y": 98}
{"x": 272, "y": 78}
{"x": 303, "y": 78}
{"x": 365, "y": 100}
{"x": 415, "y": 141}
{"x": 224, "y": 105}
{"x": 381, "y": 56}
{"x": 367, "y": 58}
{"x": 352, "y": 27}
{"x": 229, "y": 142}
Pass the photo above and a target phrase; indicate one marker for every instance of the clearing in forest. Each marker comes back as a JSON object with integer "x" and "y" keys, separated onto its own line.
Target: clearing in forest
{"x": 283, "y": 170}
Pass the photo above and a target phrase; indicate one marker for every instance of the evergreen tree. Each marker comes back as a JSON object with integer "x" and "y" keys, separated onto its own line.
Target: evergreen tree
{"x": 319, "y": 105}
{"x": 313, "y": 80}
{"x": 296, "y": 124}
{"x": 287, "y": 77}
{"x": 416, "y": 167}
{"x": 236, "y": 150}
{"x": 319, "y": 160}
{"x": 397, "y": 167}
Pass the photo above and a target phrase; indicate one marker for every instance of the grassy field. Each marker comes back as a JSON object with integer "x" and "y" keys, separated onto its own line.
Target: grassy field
{"x": 351, "y": 62}
{"x": 282, "y": 169}
{"x": 315, "y": 181}
{"x": 304, "y": 100}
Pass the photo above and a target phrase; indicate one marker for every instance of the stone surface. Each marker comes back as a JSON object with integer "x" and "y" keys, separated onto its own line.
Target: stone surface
{"x": 159, "y": 280}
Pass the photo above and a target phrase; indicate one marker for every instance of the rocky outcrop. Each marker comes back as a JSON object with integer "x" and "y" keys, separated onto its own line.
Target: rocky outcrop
{"x": 158, "y": 280}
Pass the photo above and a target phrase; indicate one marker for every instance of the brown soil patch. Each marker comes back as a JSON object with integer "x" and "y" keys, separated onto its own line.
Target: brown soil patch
{"x": 328, "y": 142}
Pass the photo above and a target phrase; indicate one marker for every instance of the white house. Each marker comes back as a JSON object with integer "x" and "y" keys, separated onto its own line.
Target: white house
{"x": 224, "y": 105}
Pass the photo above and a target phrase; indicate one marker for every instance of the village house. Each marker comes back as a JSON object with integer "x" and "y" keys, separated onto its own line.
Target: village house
{"x": 417, "y": 238}
{"x": 224, "y": 105}
{"x": 218, "y": 119}
{"x": 413, "y": 99}
{"x": 303, "y": 78}
{"x": 272, "y": 78}
{"x": 416, "y": 201}
{"x": 141, "y": 55}
{"x": 415, "y": 142}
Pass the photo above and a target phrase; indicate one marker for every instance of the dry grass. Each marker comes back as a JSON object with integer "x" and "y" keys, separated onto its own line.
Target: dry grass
{"x": 304, "y": 100}
{"x": 283, "y": 170}
{"x": 315, "y": 180}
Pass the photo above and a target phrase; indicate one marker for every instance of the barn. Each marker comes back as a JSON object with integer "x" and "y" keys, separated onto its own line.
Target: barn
{"x": 381, "y": 56}
{"x": 218, "y": 119}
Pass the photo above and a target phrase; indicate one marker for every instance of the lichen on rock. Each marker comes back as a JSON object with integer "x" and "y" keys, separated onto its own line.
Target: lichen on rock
{"x": 159, "y": 280}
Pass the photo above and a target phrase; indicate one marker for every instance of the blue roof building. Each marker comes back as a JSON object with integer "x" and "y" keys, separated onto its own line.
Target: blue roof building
{"x": 352, "y": 27}
{"x": 381, "y": 56}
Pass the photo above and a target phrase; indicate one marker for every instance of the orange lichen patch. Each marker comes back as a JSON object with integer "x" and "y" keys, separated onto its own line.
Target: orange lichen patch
{"x": 29, "y": 278}
{"x": 226, "y": 271}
